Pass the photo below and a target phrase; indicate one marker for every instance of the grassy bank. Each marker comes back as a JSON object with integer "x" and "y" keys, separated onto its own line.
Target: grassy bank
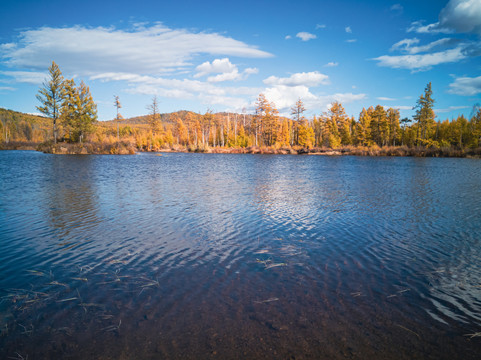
{"x": 401, "y": 151}
{"x": 118, "y": 148}
{"x": 129, "y": 148}
{"x": 18, "y": 145}
{"x": 350, "y": 150}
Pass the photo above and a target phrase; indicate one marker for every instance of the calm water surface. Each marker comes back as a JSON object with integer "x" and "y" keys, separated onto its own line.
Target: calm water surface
{"x": 190, "y": 256}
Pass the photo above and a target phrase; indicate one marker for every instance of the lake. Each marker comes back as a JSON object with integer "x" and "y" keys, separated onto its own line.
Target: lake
{"x": 193, "y": 256}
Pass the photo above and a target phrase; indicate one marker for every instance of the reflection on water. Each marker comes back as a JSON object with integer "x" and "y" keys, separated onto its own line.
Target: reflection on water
{"x": 71, "y": 202}
{"x": 239, "y": 256}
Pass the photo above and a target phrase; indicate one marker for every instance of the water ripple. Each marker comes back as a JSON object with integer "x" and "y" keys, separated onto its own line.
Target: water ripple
{"x": 186, "y": 253}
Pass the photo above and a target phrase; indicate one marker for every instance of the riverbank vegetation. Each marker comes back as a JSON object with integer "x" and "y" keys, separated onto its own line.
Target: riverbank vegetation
{"x": 71, "y": 126}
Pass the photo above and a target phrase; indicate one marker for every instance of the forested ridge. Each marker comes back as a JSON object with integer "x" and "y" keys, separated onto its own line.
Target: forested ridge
{"x": 376, "y": 131}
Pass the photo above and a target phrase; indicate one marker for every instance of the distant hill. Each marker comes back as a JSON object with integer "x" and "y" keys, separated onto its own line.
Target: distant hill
{"x": 169, "y": 118}
{"x": 18, "y": 126}
{"x": 165, "y": 118}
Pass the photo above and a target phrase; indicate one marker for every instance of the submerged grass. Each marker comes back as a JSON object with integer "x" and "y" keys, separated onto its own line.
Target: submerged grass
{"x": 476, "y": 334}
{"x": 405, "y": 328}
{"x": 113, "y": 327}
{"x": 26, "y": 306}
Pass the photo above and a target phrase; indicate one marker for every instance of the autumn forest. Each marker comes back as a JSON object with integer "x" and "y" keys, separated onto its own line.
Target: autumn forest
{"x": 70, "y": 125}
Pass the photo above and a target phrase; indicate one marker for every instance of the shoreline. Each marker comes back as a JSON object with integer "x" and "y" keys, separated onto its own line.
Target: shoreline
{"x": 126, "y": 148}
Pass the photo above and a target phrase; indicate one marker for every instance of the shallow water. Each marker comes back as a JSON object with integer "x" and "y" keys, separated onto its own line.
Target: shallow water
{"x": 239, "y": 256}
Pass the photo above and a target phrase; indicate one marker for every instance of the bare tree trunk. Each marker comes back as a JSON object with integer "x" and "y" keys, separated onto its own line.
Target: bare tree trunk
{"x": 235, "y": 131}
{"x": 228, "y": 128}
{"x": 54, "y": 131}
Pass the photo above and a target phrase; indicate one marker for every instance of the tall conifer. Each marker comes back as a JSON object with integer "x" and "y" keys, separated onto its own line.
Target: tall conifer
{"x": 51, "y": 96}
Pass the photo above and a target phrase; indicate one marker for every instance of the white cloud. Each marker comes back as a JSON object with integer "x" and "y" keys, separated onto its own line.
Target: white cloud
{"x": 229, "y": 102}
{"x": 332, "y": 64}
{"x": 147, "y": 84}
{"x": 348, "y": 29}
{"x": 288, "y": 37}
{"x": 466, "y": 86}
{"x": 7, "y": 88}
{"x": 285, "y": 97}
{"x": 305, "y": 36}
{"x": 149, "y": 50}
{"x": 382, "y": 98}
{"x": 351, "y": 40}
{"x": 462, "y": 16}
{"x": 397, "y": 8}
{"x": 284, "y": 92}
{"x": 217, "y": 66}
{"x": 402, "y": 107}
{"x": 230, "y": 76}
{"x": 207, "y": 92}
{"x": 406, "y": 45}
{"x": 325, "y": 101}
{"x": 29, "y": 77}
{"x": 320, "y": 26}
{"x": 421, "y": 62}
{"x": 307, "y": 79}
{"x": 451, "y": 108}
{"x": 7, "y": 46}
{"x": 418, "y": 27}
{"x": 224, "y": 69}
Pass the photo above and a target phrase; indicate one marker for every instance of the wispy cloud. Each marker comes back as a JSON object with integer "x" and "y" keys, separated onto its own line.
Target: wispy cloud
{"x": 209, "y": 93}
{"x": 332, "y": 64}
{"x": 348, "y": 29}
{"x": 467, "y": 86}
{"x": 305, "y": 36}
{"x": 421, "y": 62}
{"x": 28, "y": 77}
{"x": 154, "y": 49}
{"x": 382, "y": 98}
{"x": 451, "y": 108}
{"x": 344, "y": 98}
{"x": 320, "y": 26}
{"x": 308, "y": 79}
{"x": 397, "y": 8}
{"x": 6, "y": 88}
{"x": 420, "y": 28}
{"x": 402, "y": 107}
{"x": 406, "y": 45}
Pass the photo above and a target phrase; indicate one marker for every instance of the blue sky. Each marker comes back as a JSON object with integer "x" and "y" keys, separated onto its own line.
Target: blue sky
{"x": 220, "y": 55}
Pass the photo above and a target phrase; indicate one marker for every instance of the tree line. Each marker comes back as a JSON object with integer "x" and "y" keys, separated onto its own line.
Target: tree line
{"x": 375, "y": 126}
{"x": 73, "y": 116}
